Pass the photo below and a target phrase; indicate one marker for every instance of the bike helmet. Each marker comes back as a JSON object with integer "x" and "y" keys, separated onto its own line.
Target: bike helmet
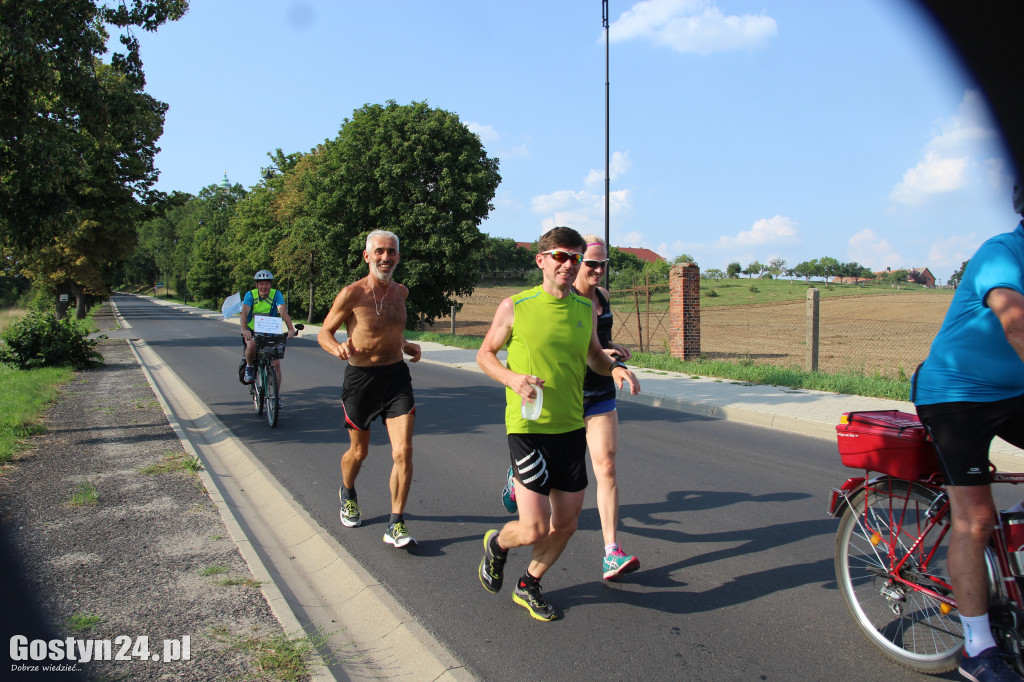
{"x": 263, "y": 276}
{"x": 1018, "y": 198}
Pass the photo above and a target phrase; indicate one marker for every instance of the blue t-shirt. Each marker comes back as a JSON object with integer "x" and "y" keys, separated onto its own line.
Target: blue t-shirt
{"x": 970, "y": 358}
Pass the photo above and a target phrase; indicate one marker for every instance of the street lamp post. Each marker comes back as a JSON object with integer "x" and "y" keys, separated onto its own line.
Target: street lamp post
{"x": 607, "y": 165}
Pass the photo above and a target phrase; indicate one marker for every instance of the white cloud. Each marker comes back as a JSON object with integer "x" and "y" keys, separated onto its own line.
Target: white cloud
{"x": 618, "y": 165}
{"x": 582, "y": 211}
{"x": 491, "y": 137}
{"x": 696, "y": 26}
{"x": 952, "y": 154}
{"x": 765, "y": 231}
{"x": 487, "y": 133}
{"x": 952, "y": 251}
{"x": 934, "y": 174}
{"x": 877, "y": 253}
{"x": 633, "y": 240}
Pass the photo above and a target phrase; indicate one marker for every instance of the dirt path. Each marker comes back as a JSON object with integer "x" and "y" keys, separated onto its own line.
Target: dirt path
{"x": 150, "y": 558}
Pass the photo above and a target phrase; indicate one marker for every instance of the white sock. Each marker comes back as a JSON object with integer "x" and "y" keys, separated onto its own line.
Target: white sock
{"x": 610, "y": 547}
{"x": 977, "y": 634}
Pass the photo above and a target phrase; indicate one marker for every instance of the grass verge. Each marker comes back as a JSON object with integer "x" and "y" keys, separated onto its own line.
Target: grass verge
{"x": 279, "y": 656}
{"x": 872, "y": 386}
{"x": 26, "y": 394}
{"x": 174, "y": 462}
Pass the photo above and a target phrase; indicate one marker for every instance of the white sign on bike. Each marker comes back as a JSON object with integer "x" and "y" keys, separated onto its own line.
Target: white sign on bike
{"x": 265, "y": 324}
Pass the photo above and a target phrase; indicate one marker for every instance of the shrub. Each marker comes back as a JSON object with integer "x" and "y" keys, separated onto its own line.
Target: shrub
{"x": 41, "y": 340}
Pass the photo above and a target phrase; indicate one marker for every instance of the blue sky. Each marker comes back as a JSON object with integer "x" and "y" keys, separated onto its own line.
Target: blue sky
{"x": 739, "y": 130}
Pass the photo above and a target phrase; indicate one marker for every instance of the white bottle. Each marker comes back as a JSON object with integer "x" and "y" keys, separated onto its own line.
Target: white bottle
{"x": 531, "y": 410}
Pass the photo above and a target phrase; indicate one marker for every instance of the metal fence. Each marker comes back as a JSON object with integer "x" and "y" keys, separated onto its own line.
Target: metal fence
{"x": 776, "y": 333}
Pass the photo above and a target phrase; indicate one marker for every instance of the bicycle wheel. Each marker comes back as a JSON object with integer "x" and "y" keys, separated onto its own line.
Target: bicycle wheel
{"x": 272, "y": 396}
{"x": 906, "y": 623}
{"x": 258, "y": 387}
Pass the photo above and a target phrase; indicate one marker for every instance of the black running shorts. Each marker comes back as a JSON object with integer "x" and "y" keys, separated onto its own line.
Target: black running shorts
{"x": 371, "y": 392}
{"x": 963, "y": 432}
{"x": 542, "y": 461}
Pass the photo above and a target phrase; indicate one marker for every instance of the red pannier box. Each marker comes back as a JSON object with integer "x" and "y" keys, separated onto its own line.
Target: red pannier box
{"x": 887, "y": 441}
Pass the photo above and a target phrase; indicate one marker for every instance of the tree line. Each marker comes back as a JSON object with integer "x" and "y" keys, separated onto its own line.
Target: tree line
{"x": 79, "y": 214}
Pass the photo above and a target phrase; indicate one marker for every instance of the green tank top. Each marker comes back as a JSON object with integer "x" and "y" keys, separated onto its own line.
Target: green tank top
{"x": 262, "y": 306}
{"x": 550, "y": 339}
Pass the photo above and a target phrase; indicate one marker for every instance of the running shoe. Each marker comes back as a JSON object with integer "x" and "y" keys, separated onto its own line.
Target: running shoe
{"x": 619, "y": 563}
{"x": 250, "y": 374}
{"x": 350, "y": 514}
{"x": 508, "y": 494}
{"x": 397, "y": 535}
{"x": 991, "y": 665}
{"x": 241, "y": 371}
{"x": 492, "y": 566}
{"x": 530, "y": 598}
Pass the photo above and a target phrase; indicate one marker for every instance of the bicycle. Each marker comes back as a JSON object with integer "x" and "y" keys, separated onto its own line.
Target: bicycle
{"x": 892, "y": 545}
{"x": 264, "y": 389}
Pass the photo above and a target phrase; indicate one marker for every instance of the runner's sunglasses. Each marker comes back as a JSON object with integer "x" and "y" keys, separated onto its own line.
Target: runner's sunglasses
{"x": 562, "y": 256}
{"x": 595, "y": 264}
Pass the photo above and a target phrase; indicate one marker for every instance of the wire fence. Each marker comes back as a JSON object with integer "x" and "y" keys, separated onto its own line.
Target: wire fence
{"x": 776, "y": 333}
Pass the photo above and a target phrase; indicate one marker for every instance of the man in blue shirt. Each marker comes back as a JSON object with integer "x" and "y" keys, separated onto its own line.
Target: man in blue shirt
{"x": 969, "y": 390}
{"x": 263, "y": 300}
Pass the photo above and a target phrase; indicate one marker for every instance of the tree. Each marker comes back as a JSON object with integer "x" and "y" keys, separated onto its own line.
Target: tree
{"x": 776, "y": 266}
{"x": 733, "y": 270}
{"x": 714, "y": 274}
{"x": 807, "y": 269}
{"x": 828, "y": 267}
{"x": 418, "y": 172}
{"x": 77, "y": 136}
{"x": 501, "y": 254}
{"x": 625, "y": 269}
{"x": 958, "y": 276}
{"x": 683, "y": 258}
{"x": 754, "y": 268}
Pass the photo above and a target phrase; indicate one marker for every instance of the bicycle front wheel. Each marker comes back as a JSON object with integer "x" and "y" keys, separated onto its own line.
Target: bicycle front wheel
{"x": 259, "y": 388}
{"x": 272, "y": 396}
{"x": 894, "y": 603}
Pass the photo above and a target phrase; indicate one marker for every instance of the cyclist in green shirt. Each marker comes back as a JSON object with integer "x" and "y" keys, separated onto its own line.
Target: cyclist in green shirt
{"x": 263, "y": 300}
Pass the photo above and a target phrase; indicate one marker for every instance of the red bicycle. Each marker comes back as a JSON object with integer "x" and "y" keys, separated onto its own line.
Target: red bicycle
{"x": 892, "y": 544}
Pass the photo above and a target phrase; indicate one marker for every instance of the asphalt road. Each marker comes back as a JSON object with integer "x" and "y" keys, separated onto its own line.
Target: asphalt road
{"x": 728, "y": 520}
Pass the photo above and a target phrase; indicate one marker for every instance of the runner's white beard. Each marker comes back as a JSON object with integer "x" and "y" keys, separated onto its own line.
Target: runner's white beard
{"x": 384, "y": 277}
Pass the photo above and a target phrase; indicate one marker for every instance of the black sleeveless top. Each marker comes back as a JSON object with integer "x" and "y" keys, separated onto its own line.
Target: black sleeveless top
{"x": 596, "y": 387}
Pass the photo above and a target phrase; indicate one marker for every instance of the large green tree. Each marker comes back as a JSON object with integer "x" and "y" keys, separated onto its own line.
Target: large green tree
{"x": 77, "y": 135}
{"x": 418, "y": 172}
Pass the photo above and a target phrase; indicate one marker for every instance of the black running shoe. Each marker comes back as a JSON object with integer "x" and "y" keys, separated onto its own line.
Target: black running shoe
{"x": 530, "y": 598}
{"x": 492, "y": 566}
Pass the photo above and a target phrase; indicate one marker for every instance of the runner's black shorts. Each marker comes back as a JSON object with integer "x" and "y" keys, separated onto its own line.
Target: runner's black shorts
{"x": 546, "y": 461}
{"x": 371, "y": 392}
{"x": 963, "y": 432}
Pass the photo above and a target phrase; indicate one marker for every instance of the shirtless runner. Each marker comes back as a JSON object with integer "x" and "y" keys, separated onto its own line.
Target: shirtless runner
{"x": 377, "y": 381}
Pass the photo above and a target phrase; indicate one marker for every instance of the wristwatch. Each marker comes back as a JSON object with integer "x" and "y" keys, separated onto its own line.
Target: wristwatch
{"x": 617, "y": 363}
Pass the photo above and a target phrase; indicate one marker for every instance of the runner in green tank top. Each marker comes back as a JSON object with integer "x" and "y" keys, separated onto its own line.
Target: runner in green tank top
{"x": 551, "y": 338}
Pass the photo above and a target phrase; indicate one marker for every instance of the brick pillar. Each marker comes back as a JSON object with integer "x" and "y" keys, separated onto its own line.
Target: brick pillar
{"x": 684, "y": 311}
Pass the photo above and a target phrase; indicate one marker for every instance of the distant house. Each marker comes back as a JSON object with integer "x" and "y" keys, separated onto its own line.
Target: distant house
{"x": 645, "y": 255}
{"x": 919, "y": 275}
{"x": 922, "y": 276}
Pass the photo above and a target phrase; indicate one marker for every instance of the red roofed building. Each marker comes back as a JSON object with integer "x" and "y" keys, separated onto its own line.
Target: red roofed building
{"x": 645, "y": 255}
